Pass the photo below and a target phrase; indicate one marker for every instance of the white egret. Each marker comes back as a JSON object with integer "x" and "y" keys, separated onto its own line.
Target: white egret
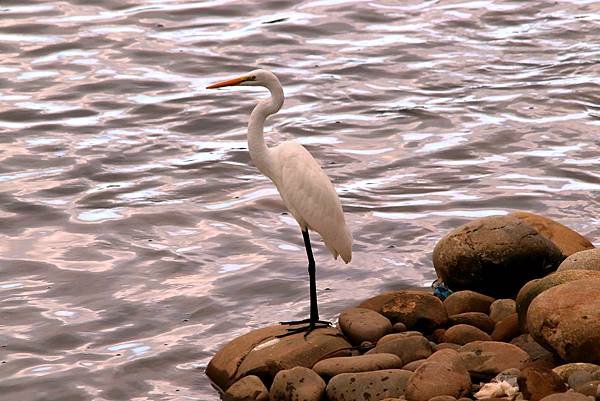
{"x": 305, "y": 189}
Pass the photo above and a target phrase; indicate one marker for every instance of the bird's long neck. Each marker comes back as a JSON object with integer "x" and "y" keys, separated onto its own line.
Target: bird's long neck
{"x": 259, "y": 152}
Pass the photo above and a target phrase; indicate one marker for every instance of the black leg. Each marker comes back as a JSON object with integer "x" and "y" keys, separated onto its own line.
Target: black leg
{"x": 313, "y": 321}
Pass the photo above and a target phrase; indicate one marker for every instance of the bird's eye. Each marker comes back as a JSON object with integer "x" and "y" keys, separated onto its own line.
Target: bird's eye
{"x": 253, "y": 78}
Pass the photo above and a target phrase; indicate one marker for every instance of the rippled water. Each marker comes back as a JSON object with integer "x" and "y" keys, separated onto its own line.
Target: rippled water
{"x": 136, "y": 238}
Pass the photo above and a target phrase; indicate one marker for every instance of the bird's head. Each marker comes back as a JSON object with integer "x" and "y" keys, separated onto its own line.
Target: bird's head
{"x": 253, "y": 78}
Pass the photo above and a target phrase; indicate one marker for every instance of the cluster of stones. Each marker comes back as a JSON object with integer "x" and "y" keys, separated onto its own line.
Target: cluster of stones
{"x": 523, "y": 323}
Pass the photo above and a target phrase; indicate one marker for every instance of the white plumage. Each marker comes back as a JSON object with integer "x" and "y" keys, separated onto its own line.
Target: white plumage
{"x": 305, "y": 189}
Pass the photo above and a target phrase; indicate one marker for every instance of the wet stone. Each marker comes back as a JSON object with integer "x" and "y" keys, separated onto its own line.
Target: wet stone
{"x": 566, "y": 370}
{"x": 567, "y": 396}
{"x": 298, "y": 383}
{"x": 360, "y": 324}
{"x": 328, "y": 368}
{"x": 494, "y": 256}
{"x": 376, "y": 385}
{"x": 412, "y": 366}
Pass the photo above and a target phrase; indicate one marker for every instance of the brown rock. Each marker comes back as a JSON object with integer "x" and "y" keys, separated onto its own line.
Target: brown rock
{"x": 376, "y": 385}
{"x": 443, "y": 398}
{"x": 412, "y": 366}
{"x": 537, "y": 353}
{"x": 298, "y": 383}
{"x": 476, "y": 319}
{"x": 442, "y": 374}
{"x": 260, "y": 353}
{"x": 249, "y": 388}
{"x": 566, "y": 319}
{"x": 328, "y": 368}
{"x": 566, "y": 370}
{"x": 533, "y": 289}
{"x": 451, "y": 346}
{"x": 399, "y": 327}
{"x": 501, "y": 308}
{"x": 376, "y": 303}
{"x": 485, "y": 359}
{"x": 507, "y": 329}
{"x": 591, "y": 388}
{"x": 463, "y": 333}
{"x": 417, "y": 310}
{"x": 567, "y": 396}
{"x": 361, "y": 324}
{"x": 395, "y": 336}
{"x": 494, "y": 256}
{"x": 536, "y": 383}
{"x": 582, "y": 260}
{"x": 409, "y": 348}
{"x": 467, "y": 301}
{"x": 567, "y": 240}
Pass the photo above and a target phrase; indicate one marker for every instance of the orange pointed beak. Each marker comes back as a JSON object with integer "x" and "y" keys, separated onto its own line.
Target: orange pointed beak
{"x": 229, "y": 82}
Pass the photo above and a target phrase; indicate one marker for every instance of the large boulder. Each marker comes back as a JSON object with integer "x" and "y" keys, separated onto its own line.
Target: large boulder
{"x": 298, "y": 383}
{"x": 373, "y": 386}
{"x": 535, "y": 287}
{"x": 261, "y": 353}
{"x": 418, "y": 310}
{"x": 494, "y": 256}
{"x": 566, "y": 320}
{"x": 567, "y": 240}
{"x": 361, "y": 324}
{"x": 582, "y": 260}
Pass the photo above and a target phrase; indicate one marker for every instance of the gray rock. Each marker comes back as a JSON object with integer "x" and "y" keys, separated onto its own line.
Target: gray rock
{"x": 477, "y": 319}
{"x": 418, "y": 310}
{"x": 376, "y": 385}
{"x": 442, "y": 374}
{"x": 566, "y": 320}
{"x": 249, "y": 388}
{"x": 485, "y": 359}
{"x": 501, "y": 308}
{"x": 467, "y": 301}
{"x": 582, "y": 260}
{"x": 409, "y": 348}
{"x": 298, "y": 383}
{"x": 361, "y": 324}
{"x": 494, "y": 256}
{"x": 463, "y": 334}
{"x": 328, "y": 368}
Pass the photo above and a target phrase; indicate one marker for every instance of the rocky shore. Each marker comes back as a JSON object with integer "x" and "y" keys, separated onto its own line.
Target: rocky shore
{"x": 517, "y": 317}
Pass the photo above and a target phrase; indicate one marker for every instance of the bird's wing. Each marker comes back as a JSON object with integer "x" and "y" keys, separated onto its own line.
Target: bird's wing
{"x": 311, "y": 198}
